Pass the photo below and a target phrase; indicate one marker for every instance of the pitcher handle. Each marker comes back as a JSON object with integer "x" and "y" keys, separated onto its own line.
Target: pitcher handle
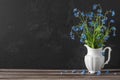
{"x": 109, "y": 54}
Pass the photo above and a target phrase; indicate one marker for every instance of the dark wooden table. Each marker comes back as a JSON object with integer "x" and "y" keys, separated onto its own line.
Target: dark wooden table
{"x": 36, "y": 74}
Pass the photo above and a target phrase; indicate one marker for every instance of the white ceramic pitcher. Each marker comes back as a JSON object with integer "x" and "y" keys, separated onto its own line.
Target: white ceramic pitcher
{"x": 94, "y": 60}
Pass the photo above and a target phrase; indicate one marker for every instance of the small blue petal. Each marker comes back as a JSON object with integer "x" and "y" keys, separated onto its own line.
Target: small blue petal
{"x": 71, "y": 33}
{"x": 98, "y": 73}
{"x": 99, "y": 10}
{"x": 81, "y": 28}
{"x": 103, "y": 21}
{"x": 112, "y": 21}
{"x": 81, "y": 40}
{"x": 82, "y": 14}
{"x": 75, "y": 9}
{"x": 83, "y": 36}
{"x": 107, "y": 72}
{"x": 74, "y": 71}
{"x": 83, "y": 72}
{"x": 102, "y": 30}
{"x": 72, "y": 36}
{"x": 113, "y": 28}
{"x": 91, "y": 23}
{"x": 106, "y": 38}
{"x": 95, "y": 6}
{"x": 113, "y": 13}
{"x": 75, "y": 28}
{"x": 89, "y": 15}
{"x": 76, "y": 14}
{"x": 92, "y": 13}
{"x": 100, "y": 15}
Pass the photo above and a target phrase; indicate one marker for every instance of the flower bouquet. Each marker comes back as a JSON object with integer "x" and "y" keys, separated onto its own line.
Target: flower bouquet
{"x": 94, "y": 27}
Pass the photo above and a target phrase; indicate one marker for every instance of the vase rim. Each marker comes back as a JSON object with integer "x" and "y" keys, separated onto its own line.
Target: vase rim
{"x": 92, "y": 48}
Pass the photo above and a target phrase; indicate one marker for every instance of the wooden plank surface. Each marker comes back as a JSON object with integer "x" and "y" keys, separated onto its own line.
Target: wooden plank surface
{"x": 37, "y": 74}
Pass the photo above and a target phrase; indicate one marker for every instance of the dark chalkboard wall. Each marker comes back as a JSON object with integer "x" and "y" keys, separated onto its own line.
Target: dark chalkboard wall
{"x": 35, "y": 34}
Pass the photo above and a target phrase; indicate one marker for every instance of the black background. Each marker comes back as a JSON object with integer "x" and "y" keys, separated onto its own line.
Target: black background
{"x": 35, "y": 34}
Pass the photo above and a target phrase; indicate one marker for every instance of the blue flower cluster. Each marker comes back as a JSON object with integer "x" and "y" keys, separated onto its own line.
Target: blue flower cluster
{"x": 94, "y": 27}
{"x": 76, "y": 12}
